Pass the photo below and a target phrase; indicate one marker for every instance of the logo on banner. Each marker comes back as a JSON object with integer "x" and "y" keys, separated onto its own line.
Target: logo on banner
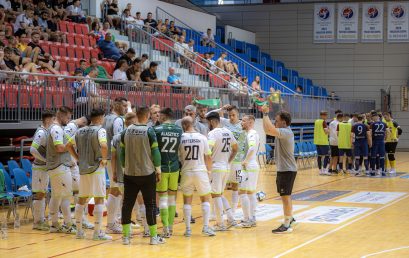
{"x": 330, "y": 214}
{"x": 318, "y": 195}
{"x": 347, "y": 13}
{"x": 324, "y": 13}
{"x": 265, "y": 212}
{"x": 398, "y": 12}
{"x": 372, "y": 12}
{"x": 372, "y": 197}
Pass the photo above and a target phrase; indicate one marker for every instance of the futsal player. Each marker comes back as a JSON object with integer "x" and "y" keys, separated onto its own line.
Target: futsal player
{"x": 345, "y": 143}
{"x": 333, "y": 141}
{"x": 321, "y": 141}
{"x": 379, "y": 133}
{"x": 391, "y": 141}
{"x": 363, "y": 139}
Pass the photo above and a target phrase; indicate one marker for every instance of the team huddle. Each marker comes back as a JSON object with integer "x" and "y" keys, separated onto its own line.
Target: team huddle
{"x": 363, "y": 144}
{"x": 147, "y": 159}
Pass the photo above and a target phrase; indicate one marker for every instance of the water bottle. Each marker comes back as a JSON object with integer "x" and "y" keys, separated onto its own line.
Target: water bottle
{"x": 17, "y": 222}
{"x": 4, "y": 229}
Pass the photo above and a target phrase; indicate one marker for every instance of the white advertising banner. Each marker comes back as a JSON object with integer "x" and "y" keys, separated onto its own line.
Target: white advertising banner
{"x": 372, "y": 197}
{"x": 398, "y": 22}
{"x": 347, "y": 29}
{"x": 324, "y": 23}
{"x": 330, "y": 214}
{"x": 372, "y": 22}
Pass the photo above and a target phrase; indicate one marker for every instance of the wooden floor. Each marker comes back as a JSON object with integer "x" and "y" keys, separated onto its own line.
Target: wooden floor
{"x": 381, "y": 230}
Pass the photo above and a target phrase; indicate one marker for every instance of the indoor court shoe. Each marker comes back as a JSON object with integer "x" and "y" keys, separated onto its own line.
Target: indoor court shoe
{"x": 157, "y": 240}
{"x": 80, "y": 234}
{"x": 282, "y": 230}
{"x": 43, "y": 226}
{"x": 293, "y": 223}
{"x": 114, "y": 228}
{"x": 372, "y": 174}
{"x": 220, "y": 228}
{"x": 146, "y": 233}
{"x": 166, "y": 233}
{"x": 244, "y": 224}
{"x": 87, "y": 225}
{"x": 207, "y": 231}
{"x": 69, "y": 229}
{"x": 231, "y": 223}
{"x": 383, "y": 173}
{"x": 101, "y": 236}
{"x": 126, "y": 240}
{"x": 253, "y": 223}
{"x": 192, "y": 220}
{"x": 188, "y": 233}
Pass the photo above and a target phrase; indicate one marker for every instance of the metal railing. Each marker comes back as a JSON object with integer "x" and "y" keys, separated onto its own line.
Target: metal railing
{"x": 245, "y": 67}
{"x": 24, "y": 100}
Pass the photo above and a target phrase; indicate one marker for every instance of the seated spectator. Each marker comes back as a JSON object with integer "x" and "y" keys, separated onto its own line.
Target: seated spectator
{"x": 108, "y": 48}
{"x": 48, "y": 62}
{"x": 139, "y": 21}
{"x": 20, "y": 64}
{"x": 128, "y": 57}
{"x": 207, "y": 39}
{"x": 129, "y": 22}
{"x": 102, "y": 73}
{"x": 145, "y": 62}
{"x": 34, "y": 50}
{"x": 75, "y": 13}
{"x": 91, "y": 90}
{"x": 180, "y": 47}
{"x": 212, "y": 63}
{"x": 149, "y": 75}
{"x": 78, "y": 87}
{"x": 173, "y": 29}
{"x": 205, "y": 62}
{"x": 96, "y": 31}
{"x": 173, "y": 78}
{"x": 226, "y": 65}
{"x": 333, "y": 96}
{"x": 12, "y": 43}
{"x": 255, "y": 85}
{"x": 42, "y": 21}
{"x": 40, "y": 8}
{"x": 10, "y": 14}
{"x": 113, "y": 14}
{"x": 120, "y": 71}
{"x": 299, "y": 89}
{"x": 24, "y": 23}
{"x": 83, "y": 66}
{"x": 134, "y": 72}
{"x": 149, "y": 21}
{"x": 237, "y": 86}
{"x": 59, "y": 8}
{"x": 106, "y": 28}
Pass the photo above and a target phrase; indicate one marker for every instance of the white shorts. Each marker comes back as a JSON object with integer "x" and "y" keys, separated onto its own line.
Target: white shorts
{"x": 93, "y": 185}
{"x": 40, "y": 179}
{"x": 249, "y": 179}
{"x": 195, "y": 180}
{"x": 61, "y": 181}
{"x": 112, "y": 184}
{"x": 75, "y": 173}
{"x": 219, "y": 181}
{"x": 235, "y": 173}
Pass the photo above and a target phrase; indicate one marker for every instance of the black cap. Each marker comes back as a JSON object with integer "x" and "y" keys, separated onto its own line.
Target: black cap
{"x": 212, "y": 115}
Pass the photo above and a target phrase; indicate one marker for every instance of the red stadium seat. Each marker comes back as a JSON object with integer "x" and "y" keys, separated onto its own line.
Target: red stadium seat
{"x": 2, "y": 97}
{"x": 71, "y": 51}
{"x": 63, "y": 26}
{"x": 57, "y": 96}
{"x": 71, "y": 39}
{"x": 85, "y": 42}
{"x": 63, "y": 66}
{"x": 86, "y": 53}
{"x": 62, "y": 51}
{"x": 70, "y": 27}
{"x": 54, "y": 49}
{"x": 35, "y": 94}
{"x": 95, "y": 52}
{"x": 92, "y": 41}
{"x": 78, "y": 40}
{"x": 10, "y": 94}
{"x": 78, "y": 53}
{"x": 71, "y": 66}
{"x": 84, "y": 29}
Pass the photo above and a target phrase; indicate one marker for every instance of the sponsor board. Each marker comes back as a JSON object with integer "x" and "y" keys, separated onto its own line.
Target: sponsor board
{"x": 329, "y": 214}
{"x": 318, "y": 195}
{"x": 372, "y": 197}
{"x": 266, "y": 212}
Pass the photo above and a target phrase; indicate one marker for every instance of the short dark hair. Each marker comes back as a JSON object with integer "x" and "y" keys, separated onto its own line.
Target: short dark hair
{"x": 96, "y": 112}
{"x": 142, "y": 112}
{"x": 120, "y": 99}
{"x": 121, "y": 62}
{"x": 88, "y": 118}
{"x": 340, "y": 116}
{"x": 231, "y": 108}
{"x": 168, "y": 112}
{"x": 153, "y": 64}
{"x": 138, "y": 13}
{"x": 47, "y": 113}
{"x": 213, "y": 116}
{"x": 131, "y": 51}
{"x": 338, "y": 111}
{"x": 149, "y": 13}
{"x": 145, "y": 55}
{"x": 137, "y": 60}
{"x": 211, "y": 53}
{"x": 322, "y": 113}
{"x": 83, "y": 61}
{"x": 65, "y": 110}
{"x": 360, "y": 117}
{"x": 286, "y": 116}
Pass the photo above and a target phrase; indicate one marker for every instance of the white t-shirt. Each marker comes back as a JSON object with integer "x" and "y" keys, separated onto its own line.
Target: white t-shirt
{"x": 139, "y": 23}
{"x": 119, "y": 75}
{"x": 220, "y": 142}
{"x": 57, "y": 134}
{"x": 70, "y": 129}
{"x": 6, "y": 4}
{"x": 22, "y": 18}
{"x": 74, "y": 10}
{"x": 192, "y": 148}
{"x": 118, "y": 126}
{"x": 253, "y": 142}
{"x": 90, "y": 87}
{"x": 333, "y": 137}
{"x": 40, "y": 139}
{"x": 180, "y": 48}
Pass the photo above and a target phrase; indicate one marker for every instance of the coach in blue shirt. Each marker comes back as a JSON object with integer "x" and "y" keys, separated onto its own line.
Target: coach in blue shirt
{"x": 108, "y": 48}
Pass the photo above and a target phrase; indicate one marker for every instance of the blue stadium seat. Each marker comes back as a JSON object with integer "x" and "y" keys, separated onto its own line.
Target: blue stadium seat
{"x": 12, "y": 164}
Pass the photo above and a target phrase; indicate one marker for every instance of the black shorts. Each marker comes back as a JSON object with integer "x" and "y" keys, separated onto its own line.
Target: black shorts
{"x": 285, "y": 182}
{"x": 334, "y": 151}
{"x": 390, "y": 147}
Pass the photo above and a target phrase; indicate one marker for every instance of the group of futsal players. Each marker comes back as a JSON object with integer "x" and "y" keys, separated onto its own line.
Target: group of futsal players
{"x": 360, "y": 144}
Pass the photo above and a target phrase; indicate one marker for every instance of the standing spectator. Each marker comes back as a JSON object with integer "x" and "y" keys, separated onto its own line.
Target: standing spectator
{"x": 180, "y": 47}
{"x": 120, "y": 72}
{"x": 24, "y": 23}
{"x": 139, "y": 21}
{"x": 155, "y": 114}
{"x": 75, "y": 13}
{"x": 108, "y": 48}
{"x": 102, "y": 73}
{"x": 207, "y": 39}
{"x": 149, "y": 21}
{"x": 145, "y": 61}
{"x": 128, "y": 57}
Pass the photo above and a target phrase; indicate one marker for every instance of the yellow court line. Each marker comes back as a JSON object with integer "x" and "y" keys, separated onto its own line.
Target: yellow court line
{"x": 386, "y": 251}
{"x": 339, "y": 228}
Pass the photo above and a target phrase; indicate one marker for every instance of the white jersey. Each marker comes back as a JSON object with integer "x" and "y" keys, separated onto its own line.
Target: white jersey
{"x": 192, "y": 148}
{"x": 70, "y": 129}
{"x": 333, "y": 136}
{"x": 220, "y": 142}
{"x": 253, "y": 142}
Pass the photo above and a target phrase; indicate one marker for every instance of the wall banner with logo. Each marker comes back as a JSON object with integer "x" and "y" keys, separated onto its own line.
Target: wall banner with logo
{"x": 324, "y": 23}
{"x": 372, "y": 22}
{"x": 347, "y": 29}
{"x": 398, "y": 22}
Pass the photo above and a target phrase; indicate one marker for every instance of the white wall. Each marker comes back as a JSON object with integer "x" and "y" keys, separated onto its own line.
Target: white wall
{"x": 359, "y": 70}
{"x": 239, "y": 34}
{"x": 197, "y": 20}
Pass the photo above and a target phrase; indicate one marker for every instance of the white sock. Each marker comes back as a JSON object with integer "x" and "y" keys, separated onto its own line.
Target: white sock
{"x": 245, "y": 205}
{"x": 79, "y": 212}
{"x": 218, "y": 205}
{"x": 98, "y": 212}
{"x": 54, "y": 206}
{"x": 66, "y": 210}
{"x": 111, "y": 209}
{"x": 37, "y": 211}
{"x": 206, "y": 213}
{"x": 142, "y": 211}
{"x": 119, "y": 206}
{"x": 187, "y": 212}
{"x": 42, "y": 209}
{"x": 227, "y": 209}
{"x": 253, "y": 206}
{"x": 213, "y": 210}
{"x": 287, "y": 220}
{"x": 234, "y": 201}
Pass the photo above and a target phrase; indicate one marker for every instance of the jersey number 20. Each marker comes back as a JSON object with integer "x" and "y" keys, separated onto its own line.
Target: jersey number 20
{"x": 192, "y": 152}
